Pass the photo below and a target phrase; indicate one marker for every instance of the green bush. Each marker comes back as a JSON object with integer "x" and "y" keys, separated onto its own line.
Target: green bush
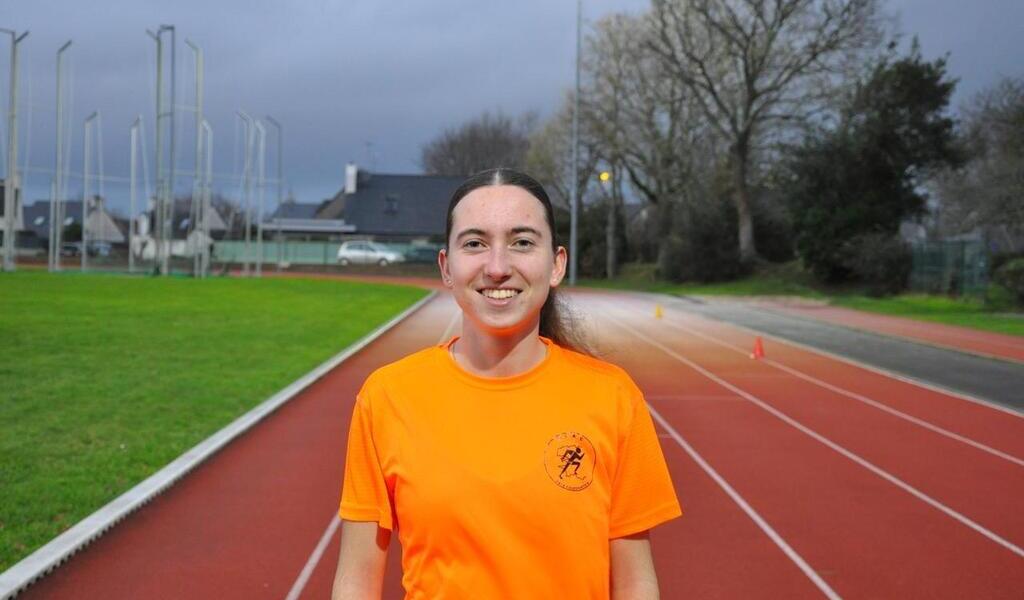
{"x": 880, "y": 260}
{"x": 1011, "y": 276}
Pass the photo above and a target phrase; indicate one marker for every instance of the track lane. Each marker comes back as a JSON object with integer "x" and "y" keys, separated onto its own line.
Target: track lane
{"x": 983, "y": 488}
{"x": 853, "y": 514}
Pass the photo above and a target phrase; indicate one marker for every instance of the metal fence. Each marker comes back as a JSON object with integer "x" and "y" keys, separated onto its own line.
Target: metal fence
{"x": 955, "y": 267}
{"x": 308, "y": 252}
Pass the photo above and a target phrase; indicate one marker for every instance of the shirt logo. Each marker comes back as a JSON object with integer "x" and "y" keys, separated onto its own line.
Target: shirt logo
{"x": 569, "y": 461}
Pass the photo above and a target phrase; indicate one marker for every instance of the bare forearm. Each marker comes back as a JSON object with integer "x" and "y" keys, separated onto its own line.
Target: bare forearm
{"x": 638, "y": 590}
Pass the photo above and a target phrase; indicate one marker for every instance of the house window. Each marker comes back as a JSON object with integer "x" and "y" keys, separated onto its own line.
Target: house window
{"x": 391, "y": 206}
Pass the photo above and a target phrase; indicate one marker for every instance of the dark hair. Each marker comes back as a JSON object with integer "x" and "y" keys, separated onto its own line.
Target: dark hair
{"x": 557, "y": 320}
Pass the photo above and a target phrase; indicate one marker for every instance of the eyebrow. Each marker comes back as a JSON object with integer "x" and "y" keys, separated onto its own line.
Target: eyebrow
{"x": 514, "y": 230}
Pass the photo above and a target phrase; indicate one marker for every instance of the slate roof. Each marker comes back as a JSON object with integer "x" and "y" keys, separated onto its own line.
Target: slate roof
{"x": 395, "y": 204}
{"x": 296, "y": 210}
{"x": 32, "y": 212}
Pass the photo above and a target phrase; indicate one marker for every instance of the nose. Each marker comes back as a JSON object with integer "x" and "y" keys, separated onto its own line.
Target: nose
{"x": 498, "y": 267}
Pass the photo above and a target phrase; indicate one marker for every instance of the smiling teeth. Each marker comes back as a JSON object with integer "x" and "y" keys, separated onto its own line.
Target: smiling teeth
{"x": 499, "y": 294}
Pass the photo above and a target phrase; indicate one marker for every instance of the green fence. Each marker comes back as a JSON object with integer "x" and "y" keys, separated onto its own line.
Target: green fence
{"x": 959, "y": 268}
{"x": 309, "y": 253}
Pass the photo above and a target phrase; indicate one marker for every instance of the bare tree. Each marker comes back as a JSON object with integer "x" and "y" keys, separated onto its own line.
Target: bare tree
{"x": 752, "y": 65}
{"x": 485, "y": 142}
{"x": 988, "y": 192}
{"x": 645, "y": 122}
{"x": 549, "y": 158}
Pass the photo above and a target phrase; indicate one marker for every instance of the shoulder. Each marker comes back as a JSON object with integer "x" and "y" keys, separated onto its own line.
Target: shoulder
{"x": 599, "y": 371}
{"x": 383, "y": 377}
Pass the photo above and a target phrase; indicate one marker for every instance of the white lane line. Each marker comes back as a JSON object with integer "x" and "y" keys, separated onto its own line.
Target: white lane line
{"x": 856, "y": 396}
{"x": 314, "y": 558}
{"x": 840, "y": 449}
{"x": 885, "y": 372}
{"x": 753, "y": 514}
{"x": 332, "y": 526}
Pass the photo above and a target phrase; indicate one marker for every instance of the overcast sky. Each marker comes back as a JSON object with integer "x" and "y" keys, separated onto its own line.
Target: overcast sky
{"x": 356, "y": 80}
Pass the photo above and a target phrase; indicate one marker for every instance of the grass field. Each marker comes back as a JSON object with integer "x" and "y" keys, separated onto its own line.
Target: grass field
{"x": 993, "y": 313}
{"x": 107, "y": 378}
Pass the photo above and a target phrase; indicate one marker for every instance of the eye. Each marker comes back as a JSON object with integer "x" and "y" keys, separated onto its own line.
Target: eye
{"x": 473, "y": 244}
{"x": 523, "y": 243}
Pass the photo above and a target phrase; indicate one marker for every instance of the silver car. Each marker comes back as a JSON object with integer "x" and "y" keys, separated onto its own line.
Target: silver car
{"x": 367, "y": 253}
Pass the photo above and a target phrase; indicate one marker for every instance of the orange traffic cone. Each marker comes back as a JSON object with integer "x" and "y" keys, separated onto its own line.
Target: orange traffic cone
{"x": 658, "y": 312}
{"x": 758, "y": 352}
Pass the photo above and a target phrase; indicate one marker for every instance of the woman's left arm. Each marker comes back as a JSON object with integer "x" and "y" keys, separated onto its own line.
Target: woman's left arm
{"x": 632, "y": 568}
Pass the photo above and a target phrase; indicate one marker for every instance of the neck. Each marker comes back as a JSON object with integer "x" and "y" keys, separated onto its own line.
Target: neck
{"x": 491, "y": 355}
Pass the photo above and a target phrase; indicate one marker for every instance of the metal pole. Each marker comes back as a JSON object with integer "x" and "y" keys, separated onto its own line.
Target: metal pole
{"x": 56, "y": 222}
{"x": 87, "y": 137}
{"x": 280, "y": 178}
{"x": 156, "y": 226}
{"x": 11, "y": 181}
{"x": 194, "y": 208}
{"x": 575, "y": 192}
{"x": 131, "y": 210}
{"x": 247, "y": 187}
{"x": 169, "y": 204}
{"x": 261, "y": 133}
{"x": 208, "y": 184}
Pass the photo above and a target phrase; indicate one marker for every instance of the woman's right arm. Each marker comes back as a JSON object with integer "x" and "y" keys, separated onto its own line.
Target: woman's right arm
{"x": 364, "y": 551}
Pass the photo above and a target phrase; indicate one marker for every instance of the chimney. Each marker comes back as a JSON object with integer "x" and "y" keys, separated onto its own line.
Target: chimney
{"x": 351, "y": 172}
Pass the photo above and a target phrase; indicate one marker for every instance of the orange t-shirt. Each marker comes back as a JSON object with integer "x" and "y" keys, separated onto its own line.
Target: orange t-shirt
{"x": 505, "y": 487}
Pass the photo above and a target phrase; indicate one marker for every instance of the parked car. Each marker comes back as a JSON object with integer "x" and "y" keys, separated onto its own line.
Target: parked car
{"x": 95, "y": 249}
{"x": 71, "y": 249}
{"x": 422, "y": 254}
{"x": 367, "y": 253}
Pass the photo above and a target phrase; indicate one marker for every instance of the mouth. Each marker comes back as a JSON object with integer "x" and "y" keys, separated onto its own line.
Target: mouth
{"x": 500, "y": 295}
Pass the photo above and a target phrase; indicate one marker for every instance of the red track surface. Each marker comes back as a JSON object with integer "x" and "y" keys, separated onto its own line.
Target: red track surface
{"x": 917, "y": 496}
{"x": 985, "y": 343}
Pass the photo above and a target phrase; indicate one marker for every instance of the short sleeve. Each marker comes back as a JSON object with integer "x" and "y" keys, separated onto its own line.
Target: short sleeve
{"x": 642, "y": 492}
{"x": 364, "y": 493}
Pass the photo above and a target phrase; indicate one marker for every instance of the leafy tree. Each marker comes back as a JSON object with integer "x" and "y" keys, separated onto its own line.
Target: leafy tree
{"x": 756, "y": 66}
{"x": 864, "y": 176}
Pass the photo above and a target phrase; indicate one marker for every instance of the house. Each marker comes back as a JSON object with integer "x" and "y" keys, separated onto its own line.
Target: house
{"x": 185, "y": 239}
{"x": 392, "y": 208}
{"x": 101, "y": 225}
{"x": 19, "y": 214}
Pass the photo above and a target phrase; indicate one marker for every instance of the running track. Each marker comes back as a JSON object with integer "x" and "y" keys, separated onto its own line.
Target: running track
{"x": 801, "y": 477}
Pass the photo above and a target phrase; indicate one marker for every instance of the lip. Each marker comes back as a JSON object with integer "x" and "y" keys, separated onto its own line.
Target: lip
{"x": 499, "y": 301}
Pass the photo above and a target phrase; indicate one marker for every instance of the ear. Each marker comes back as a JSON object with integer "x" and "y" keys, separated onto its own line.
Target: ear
{"x": 561, "y": 258}
{"x": 442, "y": 262}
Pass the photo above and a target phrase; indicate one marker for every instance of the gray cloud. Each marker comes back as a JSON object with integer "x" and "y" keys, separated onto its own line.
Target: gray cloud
{"x": 339, "y": 74}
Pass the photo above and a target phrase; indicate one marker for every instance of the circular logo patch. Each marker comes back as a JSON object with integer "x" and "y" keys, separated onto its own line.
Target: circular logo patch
{"x": 569, "y": 461}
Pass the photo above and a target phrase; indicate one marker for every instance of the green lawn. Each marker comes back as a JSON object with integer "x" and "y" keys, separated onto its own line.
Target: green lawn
{"x": 107, "y": 378}
{"x": 994, "y": 313}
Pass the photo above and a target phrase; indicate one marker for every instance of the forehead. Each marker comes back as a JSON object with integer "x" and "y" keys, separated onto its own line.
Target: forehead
{"x": 498, "y": 207}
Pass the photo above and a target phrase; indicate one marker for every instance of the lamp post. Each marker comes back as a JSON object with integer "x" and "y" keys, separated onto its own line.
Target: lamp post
{"x": 11, "y": 181}
{"x": 575, "y": 192}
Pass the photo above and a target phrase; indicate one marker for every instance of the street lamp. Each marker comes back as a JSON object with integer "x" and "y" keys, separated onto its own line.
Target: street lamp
{"x": 574, "y": 199}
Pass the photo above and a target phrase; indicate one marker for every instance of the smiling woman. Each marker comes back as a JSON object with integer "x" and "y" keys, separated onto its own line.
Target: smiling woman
{"x": 517, "y": 464}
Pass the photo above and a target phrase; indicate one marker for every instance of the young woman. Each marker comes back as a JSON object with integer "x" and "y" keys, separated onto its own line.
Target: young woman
{"x": 512, "y": 465}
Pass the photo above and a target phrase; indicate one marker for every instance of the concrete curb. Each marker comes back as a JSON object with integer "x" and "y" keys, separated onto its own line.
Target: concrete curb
{"x": 14, "y": 580}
